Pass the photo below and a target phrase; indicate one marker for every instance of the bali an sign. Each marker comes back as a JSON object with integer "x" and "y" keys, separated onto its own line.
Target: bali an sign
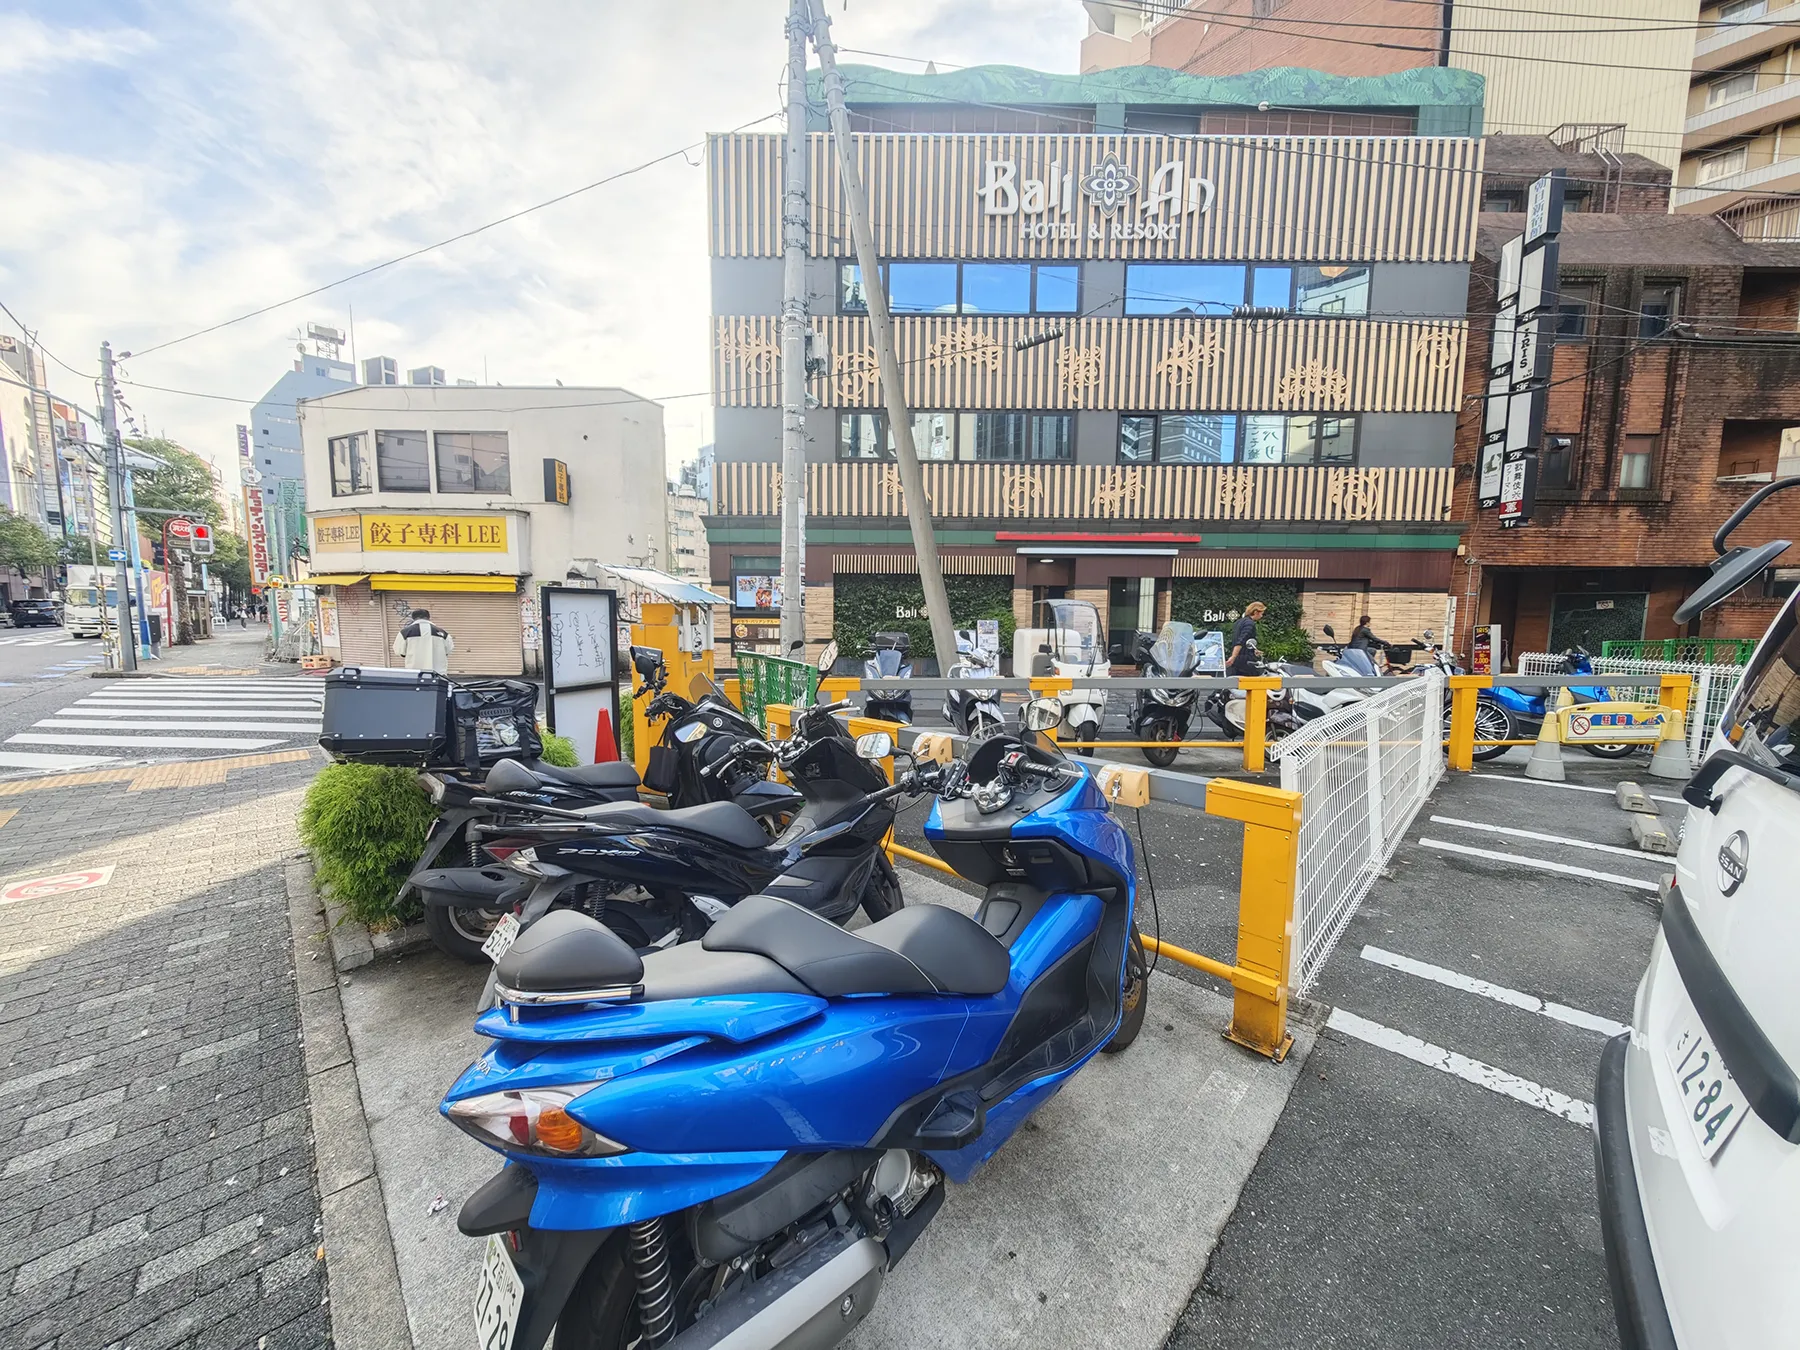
{"x": 1111, "y": 189}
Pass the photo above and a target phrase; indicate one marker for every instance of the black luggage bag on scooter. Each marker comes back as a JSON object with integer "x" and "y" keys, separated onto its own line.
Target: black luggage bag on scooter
{"x": 374, "y": 715}
{"x": 492, "y": 720}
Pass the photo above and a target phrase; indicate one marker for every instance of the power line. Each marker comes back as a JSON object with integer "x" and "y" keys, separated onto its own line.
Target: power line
{"x": 679, "y": 151}
{"x": 34, "y": 341}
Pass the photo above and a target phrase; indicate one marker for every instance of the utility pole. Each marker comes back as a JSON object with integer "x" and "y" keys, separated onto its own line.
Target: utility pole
{"x": 793, "y": 338}
{"x": 881, "y": 326}
{"x": 115, "y": 493}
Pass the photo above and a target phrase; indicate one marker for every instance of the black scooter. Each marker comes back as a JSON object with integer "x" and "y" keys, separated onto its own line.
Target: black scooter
{"x": 887, "y": 661}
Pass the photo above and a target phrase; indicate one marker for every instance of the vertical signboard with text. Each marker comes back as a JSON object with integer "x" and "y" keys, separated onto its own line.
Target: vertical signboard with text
{"x": 256, "y": 522}
{"x": 1519, "y": 358}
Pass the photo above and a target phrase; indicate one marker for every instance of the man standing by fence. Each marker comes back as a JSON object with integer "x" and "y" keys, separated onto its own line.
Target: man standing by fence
{"x": 1243, "y": 660}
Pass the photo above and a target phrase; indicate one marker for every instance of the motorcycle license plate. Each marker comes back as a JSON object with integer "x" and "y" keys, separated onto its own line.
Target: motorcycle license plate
{"x": 1711, "y": 1101}
{"x": 498, "y": 1297}
{"x": 505, "y": 933}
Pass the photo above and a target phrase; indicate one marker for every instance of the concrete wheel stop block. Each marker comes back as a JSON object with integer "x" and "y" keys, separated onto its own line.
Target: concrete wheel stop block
{"x": 1631, "y": 797}
{"x": 1651, "y": 835}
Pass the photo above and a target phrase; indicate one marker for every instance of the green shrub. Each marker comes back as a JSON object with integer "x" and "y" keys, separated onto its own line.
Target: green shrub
{"x": 1216, "y": 603}
{"x": 627, "y": 731}
{"x": 365, "y": 825}
{"x": 558, "y": 750}
{"x": 866, "y": 604}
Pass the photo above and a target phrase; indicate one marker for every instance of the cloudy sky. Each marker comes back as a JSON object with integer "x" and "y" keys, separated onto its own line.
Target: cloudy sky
{"x": 169, "y": 164}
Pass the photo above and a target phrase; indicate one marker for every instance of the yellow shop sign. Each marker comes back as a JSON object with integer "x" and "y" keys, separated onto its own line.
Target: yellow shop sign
{"x": 432, "y": 533}
{"x": 337, "y": 534}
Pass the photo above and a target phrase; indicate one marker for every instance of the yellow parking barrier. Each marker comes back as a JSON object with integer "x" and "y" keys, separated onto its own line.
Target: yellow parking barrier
{"x": 1676, "y": 690}
{"x": 1266, "y": 887}
{"x": 1256, "y": 719}
{"x": 1464, "y": 690}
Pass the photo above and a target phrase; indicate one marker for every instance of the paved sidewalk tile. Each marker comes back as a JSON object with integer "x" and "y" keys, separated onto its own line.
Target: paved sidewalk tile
{"x": 154, "y": 1134}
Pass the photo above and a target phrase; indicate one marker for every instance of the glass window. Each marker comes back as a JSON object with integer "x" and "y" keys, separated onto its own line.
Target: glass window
{"x": 1503, "y": 199}
{"x": 1731, "y": 87}
{"x": 996, "y": 288}
{"x": 1057, "y": 288}
{"x": 1742, "y": 11}
{"x": 921, "y": 288}
{"x": 1197, "y": 438}
{"x": 1715, "y": 167}
{"x": 1272, "y": 287}
{"x": 1636, "y": 461}
{"x": 350, "y": 466}
{"x": 997, "y": 435}
{"x": 934, "y": 435}
{"x": 1334, "y": 288}
{"x": 1659, "y": 307}
{"x": 473, "y": 461}
{"x": 1556, "y": 466}
{"x": 402, "y": 462}
{"x": 1183, "y": 288}
{"x": 1053, "y": 436}
{"x": 851, "y": 297}
{"x": 1137, "y": 440}
{"x": 1574, "y": 309}
{"x": 862, "y": 436}
{"x": 1309, "y": 438}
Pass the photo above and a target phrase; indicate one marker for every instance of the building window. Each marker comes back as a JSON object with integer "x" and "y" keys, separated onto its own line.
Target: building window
{"x": 1331, "y": 289}
{"x": 1715, "y": 167}
{"x": 1742, "y": 11}
{"x": 1310, "y": 438}
{"x": 402, "y": 462}
{"x": 1506, "y": 199}
{"x": 960, "y": 118}
{"x": 968, "y": 288}
{"x": 1659, "y": 308}
{"x": 1731, "y": 87}
{"x": 350, "y": 474}
{"x": 1303, "y": 122}
{"x": 1574, "y": 309}
{"x": 993, "y": 436}
{"x": 1183, "y": 288}
{"x": 862, "y": 436}
{"x": 921, "y": 288}
{"x": 1637, "y": 462}
{"x": 1272, "y": 287}
{"x": 1178, "y": 438}
{"x": 473, "y": 461}
{"x": 1556, "y": 466}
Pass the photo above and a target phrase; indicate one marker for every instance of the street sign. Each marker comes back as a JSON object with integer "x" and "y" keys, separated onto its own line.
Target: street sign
{"x": 42, "y": 888}
{"x": 115, "y": 555}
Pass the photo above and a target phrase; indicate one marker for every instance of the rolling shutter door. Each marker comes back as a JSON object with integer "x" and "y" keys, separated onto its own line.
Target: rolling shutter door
{"x": 484, "y": 625}
{"x": 362, "y": 636}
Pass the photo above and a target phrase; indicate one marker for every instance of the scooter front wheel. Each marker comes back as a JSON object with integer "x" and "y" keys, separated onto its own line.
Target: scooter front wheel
{"x": 1135, "y": 996}
{"x": 1162, "y": 756}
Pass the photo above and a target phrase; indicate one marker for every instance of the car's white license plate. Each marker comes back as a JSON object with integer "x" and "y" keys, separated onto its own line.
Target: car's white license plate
{"x": 1711, "y": 1101}
{"x": 497, "y": 1298}
{"x": 505, "y": 933}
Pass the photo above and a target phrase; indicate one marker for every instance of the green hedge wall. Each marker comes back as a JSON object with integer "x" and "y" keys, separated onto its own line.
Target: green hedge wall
{"x": 865, "y": 604}
{"x": 1218, "y": 602}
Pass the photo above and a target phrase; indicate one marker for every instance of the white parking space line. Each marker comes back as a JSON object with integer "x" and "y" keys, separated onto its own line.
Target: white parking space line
{"x": 1562, "y": 839}
{"x": 1519, "y": 860}
{"x": 166, "y": 724}
{"x": 148, "y": 742}
{"x": 1572, "y": 1109}
{"x": 1513, "y": 998}
{"x": 1567, "y": 787}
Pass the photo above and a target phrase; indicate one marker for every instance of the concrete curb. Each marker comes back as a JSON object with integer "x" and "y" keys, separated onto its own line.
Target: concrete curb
{"x": 353, "y": 945}
{"x": 362, "y": 1279}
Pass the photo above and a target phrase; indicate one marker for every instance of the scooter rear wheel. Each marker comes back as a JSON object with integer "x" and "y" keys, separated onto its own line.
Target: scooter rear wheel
{"x": 459, "y": 933}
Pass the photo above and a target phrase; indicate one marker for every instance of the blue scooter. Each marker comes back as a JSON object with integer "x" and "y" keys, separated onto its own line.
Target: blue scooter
{"x": 1509, "y": 713}
{"x": 733, "y": 1141}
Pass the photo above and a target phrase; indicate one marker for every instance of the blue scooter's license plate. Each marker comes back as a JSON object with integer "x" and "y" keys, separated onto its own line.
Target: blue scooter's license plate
{"x": 498, "y": 1298}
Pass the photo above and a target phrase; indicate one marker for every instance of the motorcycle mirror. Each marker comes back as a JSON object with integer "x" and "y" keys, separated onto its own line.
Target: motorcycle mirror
{"x": 1041, "y": 714}
{"x": 645, "y": 660}
{"x": 1736, "y": 569}
{"x": 1329, "y": 631}
{"x": 1430, "y": 636}
{"x": 874, "y": 745}
{"x": 828, "y": 657}
{"x": 1116, "y": 652}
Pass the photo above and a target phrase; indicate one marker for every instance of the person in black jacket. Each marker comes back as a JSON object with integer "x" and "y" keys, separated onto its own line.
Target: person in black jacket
{"x": 1363, "y": 639}
{"x": 1243, "y": 658}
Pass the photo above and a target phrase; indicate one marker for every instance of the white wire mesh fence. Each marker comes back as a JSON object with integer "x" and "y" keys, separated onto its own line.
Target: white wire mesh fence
{"x": 1362, "y": 773}
{"x": 1712, "y": 690}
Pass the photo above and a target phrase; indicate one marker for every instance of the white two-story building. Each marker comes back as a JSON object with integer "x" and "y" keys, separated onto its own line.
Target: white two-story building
{"x": 463, "y": 500}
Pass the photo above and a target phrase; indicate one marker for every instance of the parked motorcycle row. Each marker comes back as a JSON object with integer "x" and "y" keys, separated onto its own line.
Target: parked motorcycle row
{"x": 722, "y": 1116}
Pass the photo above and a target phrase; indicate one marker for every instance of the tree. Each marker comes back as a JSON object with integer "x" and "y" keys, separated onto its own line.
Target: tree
{"x": 23, "y": 546}
{"x": 184, "y": 486}
{"x": 77, "y": 548}
{"x": 230, "y": 563}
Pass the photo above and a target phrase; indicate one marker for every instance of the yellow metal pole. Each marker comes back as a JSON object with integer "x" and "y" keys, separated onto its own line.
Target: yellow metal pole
{"x": 1463, "y": 697}
{"x": 1256, "y": 719}
{"x": 1676, "y": 690}
{"x": 1266, "y": 890}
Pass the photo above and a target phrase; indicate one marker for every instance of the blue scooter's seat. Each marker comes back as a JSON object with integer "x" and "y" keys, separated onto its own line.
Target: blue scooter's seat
{"x": 924, "y": 949}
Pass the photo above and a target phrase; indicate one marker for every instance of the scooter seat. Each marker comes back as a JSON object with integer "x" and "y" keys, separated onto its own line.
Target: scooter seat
{"x": 923, "y": 949}
{"x": 726, "y": 822}
{"x": 588, "y": 775}
{"x": 1533, "y": 690}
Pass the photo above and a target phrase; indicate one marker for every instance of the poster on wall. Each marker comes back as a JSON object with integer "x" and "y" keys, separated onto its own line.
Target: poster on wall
{"x": 581, "y": 689}
{"x": 756, "y": 591}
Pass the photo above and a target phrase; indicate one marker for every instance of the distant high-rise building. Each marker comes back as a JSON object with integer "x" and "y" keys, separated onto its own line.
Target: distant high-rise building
{"x": 426, "y": 375}
{"x": 380, "y": 370}
{"x": 275, "y": 438}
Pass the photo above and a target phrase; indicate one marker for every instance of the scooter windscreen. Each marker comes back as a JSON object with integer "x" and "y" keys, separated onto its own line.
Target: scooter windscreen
{"x": 1176, "y": 651}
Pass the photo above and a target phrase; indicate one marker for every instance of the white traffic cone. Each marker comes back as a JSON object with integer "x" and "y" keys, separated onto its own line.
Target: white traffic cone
{"x": 1546, "y": 756}
{"x": 1670, "y": 758}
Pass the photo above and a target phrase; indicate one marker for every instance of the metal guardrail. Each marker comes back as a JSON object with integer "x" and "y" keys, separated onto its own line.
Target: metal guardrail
{"x": 1713, "y": 684}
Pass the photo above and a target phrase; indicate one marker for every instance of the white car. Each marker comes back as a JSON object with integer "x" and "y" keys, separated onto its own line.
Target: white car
{"x": 1697, "y": 1109}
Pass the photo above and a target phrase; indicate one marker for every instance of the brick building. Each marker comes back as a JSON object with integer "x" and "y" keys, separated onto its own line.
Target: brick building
{"x": 1676, "y": 380}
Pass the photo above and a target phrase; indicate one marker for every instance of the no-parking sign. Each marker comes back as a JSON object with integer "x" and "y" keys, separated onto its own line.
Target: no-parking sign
{"x": 42, "y": 888}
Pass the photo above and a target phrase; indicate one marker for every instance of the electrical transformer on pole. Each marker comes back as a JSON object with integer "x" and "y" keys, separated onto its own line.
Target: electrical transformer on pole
{"x": 881, "y": 327}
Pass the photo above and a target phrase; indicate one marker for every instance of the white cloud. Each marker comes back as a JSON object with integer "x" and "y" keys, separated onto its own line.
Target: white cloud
{"x": 231, "y": 154}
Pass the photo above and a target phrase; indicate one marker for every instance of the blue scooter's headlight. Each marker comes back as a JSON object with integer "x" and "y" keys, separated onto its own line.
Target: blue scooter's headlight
{"x": 533, "y": 1120}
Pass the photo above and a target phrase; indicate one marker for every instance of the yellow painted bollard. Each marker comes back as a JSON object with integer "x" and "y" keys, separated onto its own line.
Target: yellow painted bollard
{"x": 1256, "y": 719}
{"x": 1463, "y": 698}
{"x": 1266, "y": 892}
{"x": 1676, "y": 690}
